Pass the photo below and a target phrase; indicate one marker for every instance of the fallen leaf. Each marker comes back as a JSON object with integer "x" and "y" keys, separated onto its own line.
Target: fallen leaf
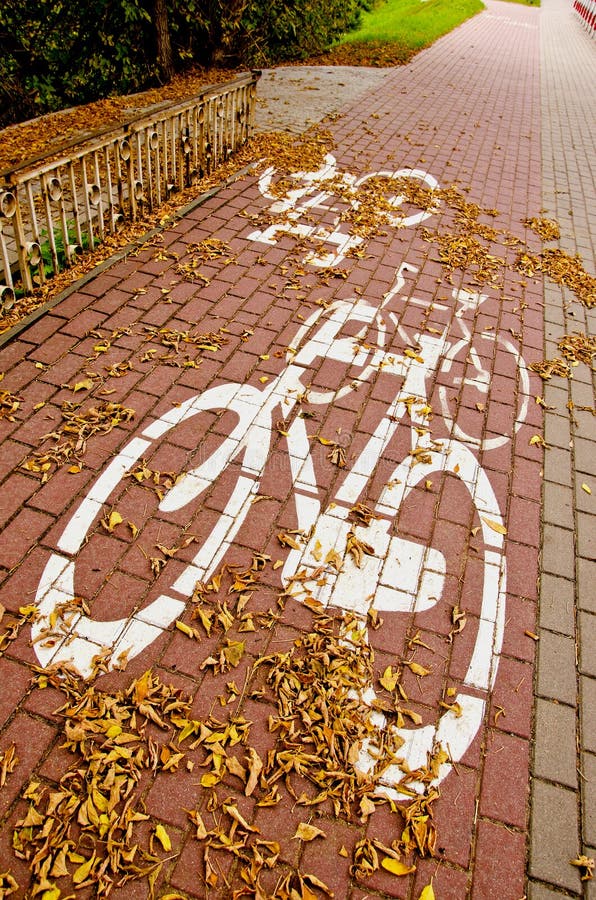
{"x": 396, "y": 867}
{"x": 306, "y": 832}
{"x": 111, "y": 521}
{"x": 389, "y": 679}
{"x": 163, "y": 837}
{"x": 586, "y": 865}
{"x": 495, "y": 526}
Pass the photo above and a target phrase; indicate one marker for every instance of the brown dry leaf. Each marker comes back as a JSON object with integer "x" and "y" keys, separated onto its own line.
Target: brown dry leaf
{"x": 458, "y": 619}
{"x": 8, "y": 884}
{"x": 416, "y": 668}
{"x": 365, "y": 860}
{"x": 306, "y": 832}
{"x": 586, "y": 866}
{"x": 494, "y": 526}
{"x": 255, "y": 767}
{"x": 8, "y": 763}
{"x": 9, "y": 403}
{"x": 286, "y": 540}
{"x": 337, "y": 455}
{"x": 357, "y": 548}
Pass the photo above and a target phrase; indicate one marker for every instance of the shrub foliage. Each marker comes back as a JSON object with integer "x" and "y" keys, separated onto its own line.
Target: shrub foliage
{"x": 59, "y": 53}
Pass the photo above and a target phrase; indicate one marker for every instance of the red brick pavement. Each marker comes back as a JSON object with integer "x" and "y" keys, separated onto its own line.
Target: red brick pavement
{"x": 467, "y": 111}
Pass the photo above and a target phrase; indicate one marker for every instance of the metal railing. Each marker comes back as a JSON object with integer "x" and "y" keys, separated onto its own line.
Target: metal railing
{"x": 586, "y": 10}
{"x": 51, "y": 212}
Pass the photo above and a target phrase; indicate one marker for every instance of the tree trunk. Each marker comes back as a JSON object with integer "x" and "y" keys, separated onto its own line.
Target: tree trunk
{"x": 163, "y": 42}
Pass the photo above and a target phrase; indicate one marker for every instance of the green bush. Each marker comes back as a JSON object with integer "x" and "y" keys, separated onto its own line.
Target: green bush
{"x": 60, "y": 53}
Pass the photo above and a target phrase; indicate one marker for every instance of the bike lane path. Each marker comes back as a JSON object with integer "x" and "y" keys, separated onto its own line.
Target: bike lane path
{"x": 467, "y": 111}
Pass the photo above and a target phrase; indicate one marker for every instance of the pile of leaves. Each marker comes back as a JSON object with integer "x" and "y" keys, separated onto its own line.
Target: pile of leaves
{"x": 576, "y": 348}
{"x": 91, "y": 828}
{"x": 9, "y": 403}
{"x": 72, "y": 435}
{"x": 87, "y": 830}
{"x": 563, "y": 269}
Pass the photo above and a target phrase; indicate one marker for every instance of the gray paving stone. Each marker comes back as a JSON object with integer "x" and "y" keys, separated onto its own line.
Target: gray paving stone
{"x": 556, "y": 667}
{"x": 587, "y": 712}
{"x": 558, "y": 551}
{"x": 556, "y": 393}
{"x": 557, "y": 431}
{"x": 586, "y": 579}
{"x": 557, "y": 607}
{"x": 590, "y": 886}
{"x": 555, "y": 746}
{"x": 583, "y": 451}
{"x": 584, "y": 501}
{"x": 543, "y": 892}
{"x": 582, "y": 394}
{"x": 586, "y": 535}
{"x": 554, "y": 838}
{"x": 557, "y": 466}
{"x": 588, "y": 763}
{"x": 558, "y": 505}
{"x": 587, "y": 643}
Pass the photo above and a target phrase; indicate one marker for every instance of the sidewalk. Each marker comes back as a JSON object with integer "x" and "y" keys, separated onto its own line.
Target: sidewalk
{"x": 387, "y": 467}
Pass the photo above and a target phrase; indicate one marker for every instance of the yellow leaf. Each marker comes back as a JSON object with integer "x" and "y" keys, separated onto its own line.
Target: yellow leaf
{"x": 52, "y": 893}
{"x": 234, "y": 651}
{"x": 308, "y": 832}
{"x": 537, "y": 439}
{"x": 586, "y": 488}
{"x": 389, "y": 679}
{"x": 427, "y": 893}
{"x": 28, "y": 611}
{"x": 84, "y": 385}
{"x": 163, "y": 837}
{"x": 417, "y": 669}
{"x": 264, "y": 379}
{"x": 82, "y": 873}
{"x": 185, "y": 629}
{"x": 111, "y": 521}
{"x": 210, "y": 779}
{"x": 396, "y": 867}
{"x": 496, "y": 526}
{"x": 74, "y": 470}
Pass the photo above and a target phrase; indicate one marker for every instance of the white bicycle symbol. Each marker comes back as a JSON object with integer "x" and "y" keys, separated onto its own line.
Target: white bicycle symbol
{"x": 316, "y": 191}
{"x": 401, "y": 576}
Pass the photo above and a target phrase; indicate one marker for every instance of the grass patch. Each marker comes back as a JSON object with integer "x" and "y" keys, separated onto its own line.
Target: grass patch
{"x": 394, "y": 30}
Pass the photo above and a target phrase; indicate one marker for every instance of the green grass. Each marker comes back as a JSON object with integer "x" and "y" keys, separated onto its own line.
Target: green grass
{"x": 415, "y": 23}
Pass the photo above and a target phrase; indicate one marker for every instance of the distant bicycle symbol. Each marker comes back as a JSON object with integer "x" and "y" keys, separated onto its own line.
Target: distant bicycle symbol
{"x": 324, "y": 191}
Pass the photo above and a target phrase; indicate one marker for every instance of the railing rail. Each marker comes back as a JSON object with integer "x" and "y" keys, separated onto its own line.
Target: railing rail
{"x": 53, "y": 211}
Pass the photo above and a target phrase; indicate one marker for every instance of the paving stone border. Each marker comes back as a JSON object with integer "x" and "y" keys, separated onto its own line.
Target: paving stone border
{"x": 564, "y": 763}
